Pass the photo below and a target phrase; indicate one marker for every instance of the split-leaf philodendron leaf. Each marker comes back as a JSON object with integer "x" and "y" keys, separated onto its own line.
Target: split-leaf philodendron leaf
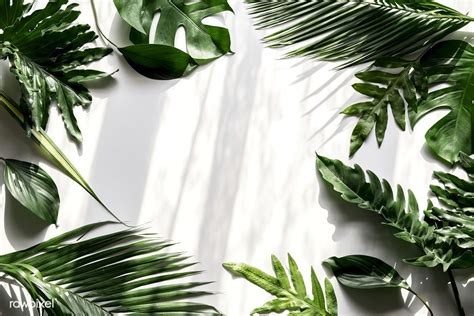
{"x": 160, "y": 59}
{"x": 290, "y": 296}
{"x": 354, "y": 31}
{"x": 33, "y": 188}
{"x": 118, "y": 273}
{"x": 450, "y": 246}
{"x": 365, "y": 272}
{"x": 45, "y": 48}
{"x": 414, "y": 84}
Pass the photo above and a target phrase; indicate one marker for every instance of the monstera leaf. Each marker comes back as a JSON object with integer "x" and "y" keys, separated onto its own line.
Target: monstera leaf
{"x": 415, "y": 85}
{"x": 46, "y": 51}
{"x": 119, "y": 273}
{"x": 365, "y": 272}
{"x": 441, "y": 244}
{"x": 354, "y": 31}
{"x": 449, "y": 63}
{"x": 160, "y": 59}
{"x": 290, "y": 298}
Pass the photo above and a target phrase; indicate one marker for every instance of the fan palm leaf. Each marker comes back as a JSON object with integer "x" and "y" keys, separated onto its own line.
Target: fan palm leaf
{"x": 354, "y": 31}
{"x": 123, "y": 272}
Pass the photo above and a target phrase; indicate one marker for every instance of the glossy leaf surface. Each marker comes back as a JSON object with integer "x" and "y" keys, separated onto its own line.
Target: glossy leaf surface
{"x": 33, "y": 188}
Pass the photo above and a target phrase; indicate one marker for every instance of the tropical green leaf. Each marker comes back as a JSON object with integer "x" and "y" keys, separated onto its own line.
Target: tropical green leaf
{"x": 123, "y": 272}
{"x": 46, "y": 51}
{"x": 160, "y": 59}
{"x": 389, "y": 82}
{"x": 33, "y": 188}
{"x": 291, "y": 298}
{"x": 53, "y": 152}
{"x": 451, "y": 65}
{"x": 399, "y": 212}
{"x": 354, "y": 31}
{"x": 365, "y": 272}
{"x": 454, "y": 217}
{"x": 399, "y": 83}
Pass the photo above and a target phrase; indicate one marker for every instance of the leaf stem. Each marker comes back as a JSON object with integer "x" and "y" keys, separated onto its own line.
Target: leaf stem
{"x": 96, "y": 21}
{"x": 456, "y": 293}
{"x": 422, "y": 300}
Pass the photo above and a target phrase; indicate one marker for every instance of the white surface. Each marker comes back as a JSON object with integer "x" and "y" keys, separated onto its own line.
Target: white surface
{"x": 223, "y": 162}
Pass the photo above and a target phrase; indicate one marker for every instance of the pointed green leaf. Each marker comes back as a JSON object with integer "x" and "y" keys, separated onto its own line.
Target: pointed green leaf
{"x": 33, "y": 188}
{"x": 280, "y": 273}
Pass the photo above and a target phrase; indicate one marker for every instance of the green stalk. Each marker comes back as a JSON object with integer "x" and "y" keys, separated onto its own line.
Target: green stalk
{"x": 456, "y": 293}
{"x": 422, "y": 300}
{"x": 55, "y": 155}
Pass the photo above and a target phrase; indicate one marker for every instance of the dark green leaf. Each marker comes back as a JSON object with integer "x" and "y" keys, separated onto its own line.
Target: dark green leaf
{"x": 45, "y": 50}
{"x": 449, "y": 63}
{"x": 53, "y": 152}
{"x": 365, "y": 272}
{"x": 33, "y": 188}
{"x": 160, "y": 59}
{"x": 291, "y": 299}
{"x": 440, "y": 247}
{"x": 387, "y": 88}
{"x": 122, "y": 272}
{"x": 354, "y": 31}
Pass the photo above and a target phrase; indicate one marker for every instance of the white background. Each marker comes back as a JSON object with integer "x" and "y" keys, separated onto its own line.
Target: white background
{"x": 223, "y": 162}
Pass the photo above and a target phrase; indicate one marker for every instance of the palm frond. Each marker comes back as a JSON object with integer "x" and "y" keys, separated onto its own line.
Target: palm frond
{"x": 123, "y": 272}
{"x": 354, "y": 31}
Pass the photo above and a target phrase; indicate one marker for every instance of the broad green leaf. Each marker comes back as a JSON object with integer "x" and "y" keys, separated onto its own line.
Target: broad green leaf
{"x": 451, "y": 65}
{"x": 354, "y": 31}
{"x": 33, "y": 188}
{"x": 290, "y": 299}
{"x": 160, "y": 59}
{"x": 53, "y": 152}
{"x": 123, "y": 272}
{"x": 365, "y": 272}
{"x": 46, "y": 51}
{"x": 440, "y": 247}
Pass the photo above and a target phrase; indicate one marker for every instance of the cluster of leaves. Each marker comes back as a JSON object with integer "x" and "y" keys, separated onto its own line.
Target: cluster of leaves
{"x": 445, "y": 235}
{"x": 414, "y": 84}
{"x": 291, "y": 298}
{"x": 160, "y": 59}
{"x": 386, "y": 30}
{"x": 45, "y": 48}
{"x": 123, "y": 272}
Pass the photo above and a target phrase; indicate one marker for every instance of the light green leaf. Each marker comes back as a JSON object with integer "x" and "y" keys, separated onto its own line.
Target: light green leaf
{"x": 291, "y": 299}
{"x": 123, "y": 272}
{"x": 160, "y": 59}
{"x": 33, "y": 188}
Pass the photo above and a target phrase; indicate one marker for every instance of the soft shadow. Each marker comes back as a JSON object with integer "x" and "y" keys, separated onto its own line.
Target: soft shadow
{"x": 21, "y": 225}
